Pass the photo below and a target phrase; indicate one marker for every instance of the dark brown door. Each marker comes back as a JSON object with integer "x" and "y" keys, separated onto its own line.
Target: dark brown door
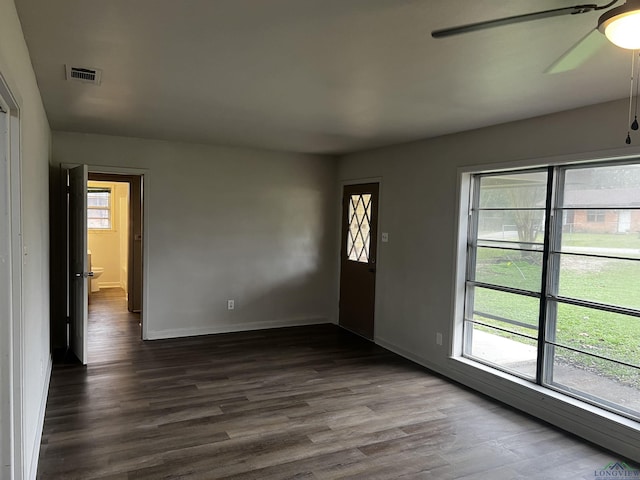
{"x": 134, "y": 281}
{"x": 358, "y": 258}
{"x": 78, "y": 269}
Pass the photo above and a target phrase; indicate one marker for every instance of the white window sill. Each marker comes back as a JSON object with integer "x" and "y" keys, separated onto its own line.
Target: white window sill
{"x": 533, "y": 392}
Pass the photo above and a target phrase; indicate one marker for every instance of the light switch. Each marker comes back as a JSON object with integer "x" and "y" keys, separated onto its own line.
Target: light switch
{"x": 385, "y": 237}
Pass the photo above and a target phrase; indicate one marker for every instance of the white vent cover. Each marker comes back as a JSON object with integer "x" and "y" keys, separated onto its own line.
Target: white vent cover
{"x": 84, "y": 74}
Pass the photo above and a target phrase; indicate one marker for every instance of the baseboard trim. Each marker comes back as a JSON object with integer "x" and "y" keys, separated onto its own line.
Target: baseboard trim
{"x": 408, "y": 355}
{"x": 35, "y": 449}
{"x": 109, "y": 284}
{"x": 238, "y": 327}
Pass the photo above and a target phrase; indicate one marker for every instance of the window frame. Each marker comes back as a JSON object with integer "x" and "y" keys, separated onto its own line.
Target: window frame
{"x": 554, "y": 214}
{"x": 363, "y": 253}
{"x": 471, "y": 264}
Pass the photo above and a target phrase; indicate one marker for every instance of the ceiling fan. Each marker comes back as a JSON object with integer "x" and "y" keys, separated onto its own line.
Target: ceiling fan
{"x": 620, "y": 25}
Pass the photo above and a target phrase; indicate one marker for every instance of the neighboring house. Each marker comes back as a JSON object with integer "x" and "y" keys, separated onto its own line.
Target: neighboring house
{"x": 588, "y": 216}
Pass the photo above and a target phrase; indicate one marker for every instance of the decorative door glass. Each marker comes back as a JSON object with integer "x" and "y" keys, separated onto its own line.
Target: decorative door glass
{"x": 359, "y": 237}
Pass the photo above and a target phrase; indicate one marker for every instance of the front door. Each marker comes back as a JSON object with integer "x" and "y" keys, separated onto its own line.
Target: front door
{"x": 78, "y": 268}
{"x": 624, "y": 221}
{"x": 358, "y": 258}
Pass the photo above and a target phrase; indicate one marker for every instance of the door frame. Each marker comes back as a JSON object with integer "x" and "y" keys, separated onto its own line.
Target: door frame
{"x": 11, "y": 347}
{"x": 379, "y": 254}
{"x": 144, "y": 175}
{"x": 135, "y": 194}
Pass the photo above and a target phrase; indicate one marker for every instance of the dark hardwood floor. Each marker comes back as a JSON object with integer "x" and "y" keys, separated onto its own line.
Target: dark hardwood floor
{"x": 304, "y": 403}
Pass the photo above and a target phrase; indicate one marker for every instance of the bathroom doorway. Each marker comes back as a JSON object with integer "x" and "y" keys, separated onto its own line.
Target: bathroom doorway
{"x": 115, "y": 211}
{"x": 114, "y": 240}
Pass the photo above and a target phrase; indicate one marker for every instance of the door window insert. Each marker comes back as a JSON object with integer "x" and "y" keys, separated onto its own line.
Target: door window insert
{"x": 359, "y": 237}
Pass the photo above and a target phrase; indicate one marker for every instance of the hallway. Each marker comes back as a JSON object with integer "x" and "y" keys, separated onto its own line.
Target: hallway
{"x": 114, "y": 332}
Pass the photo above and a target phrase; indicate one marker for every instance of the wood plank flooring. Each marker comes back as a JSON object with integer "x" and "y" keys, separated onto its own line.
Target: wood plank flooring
{"x": 296, "y": 403}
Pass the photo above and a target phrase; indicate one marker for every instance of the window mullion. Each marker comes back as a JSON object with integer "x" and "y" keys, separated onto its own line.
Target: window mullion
{"x": 472, "y": 235}
{"x": 547, "y": 315}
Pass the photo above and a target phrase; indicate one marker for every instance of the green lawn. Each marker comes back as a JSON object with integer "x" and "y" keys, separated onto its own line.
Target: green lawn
{"x": 606, "y": 281}
{"x": 628, "y": 240}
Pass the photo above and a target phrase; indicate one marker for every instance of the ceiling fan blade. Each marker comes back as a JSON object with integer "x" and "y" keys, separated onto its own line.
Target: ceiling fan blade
{"x": 579, "y": 53}
{"x": 527, "y": 17}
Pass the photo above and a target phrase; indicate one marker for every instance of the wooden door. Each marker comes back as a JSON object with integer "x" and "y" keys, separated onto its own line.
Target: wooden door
{"x": 78, "y": 268}
{"x": 134, "y": 281}
{"x": 358, "y": 258}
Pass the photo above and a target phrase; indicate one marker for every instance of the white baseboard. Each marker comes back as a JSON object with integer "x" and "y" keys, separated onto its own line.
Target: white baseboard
{"x": 230, "y": 328}
{"x": 35, "y": 448}
{"x": 407, "y": 354}
{"x": 109, "y": 284}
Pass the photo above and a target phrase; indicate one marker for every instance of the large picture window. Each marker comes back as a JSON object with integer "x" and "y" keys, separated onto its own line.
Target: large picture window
{"x": 552, "y": 291}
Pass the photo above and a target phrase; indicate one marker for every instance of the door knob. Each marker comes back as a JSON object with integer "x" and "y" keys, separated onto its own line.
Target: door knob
{"x": 84, "y": 274}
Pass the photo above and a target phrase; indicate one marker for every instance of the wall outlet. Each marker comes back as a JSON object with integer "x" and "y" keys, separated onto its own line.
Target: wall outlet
{"x": 438, "y": 338}
{"x": 385, "y": 237}
{"x": 231, "y": 304}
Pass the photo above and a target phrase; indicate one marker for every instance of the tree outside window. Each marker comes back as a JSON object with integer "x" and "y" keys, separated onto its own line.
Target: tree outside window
{"x": 547, "y": 298}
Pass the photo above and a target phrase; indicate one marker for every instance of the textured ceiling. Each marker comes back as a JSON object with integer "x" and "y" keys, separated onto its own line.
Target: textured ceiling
{"x": 325, "y": 76}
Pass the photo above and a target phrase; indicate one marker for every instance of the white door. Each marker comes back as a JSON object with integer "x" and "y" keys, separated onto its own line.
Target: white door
{"x": 78, "y": 268}
{"x": 624, "y": 221}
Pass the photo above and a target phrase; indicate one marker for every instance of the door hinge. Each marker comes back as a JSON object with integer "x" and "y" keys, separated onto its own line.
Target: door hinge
{"x": 68, "y": 320}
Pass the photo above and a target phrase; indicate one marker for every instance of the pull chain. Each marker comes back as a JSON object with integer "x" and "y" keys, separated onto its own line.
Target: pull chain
{"x": 633, "y": 71}
{"x": 634, "y": 125}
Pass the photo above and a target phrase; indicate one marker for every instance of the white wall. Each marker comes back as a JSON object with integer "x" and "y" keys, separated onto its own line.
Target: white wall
{"x": 122, "y": 199}
{"x": 15, "y": 68}
{"x": 414, "y": 297}
{"x": 254, "y": 226}
{"x": 109, "y": 248}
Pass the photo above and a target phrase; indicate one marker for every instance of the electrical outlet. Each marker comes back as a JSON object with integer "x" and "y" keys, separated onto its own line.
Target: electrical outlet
{"x": 385, "y": 237}
{"x": 231, "y": 304}
{"x": 438, "y": 338}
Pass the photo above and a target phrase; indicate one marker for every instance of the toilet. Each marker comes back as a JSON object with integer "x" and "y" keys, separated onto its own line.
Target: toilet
{"x": 95, "y": 285}
{"x": 97, "y": 271}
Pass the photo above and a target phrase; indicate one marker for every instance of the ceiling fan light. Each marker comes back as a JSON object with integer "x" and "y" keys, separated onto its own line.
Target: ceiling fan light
{"x": 622, "y": 29}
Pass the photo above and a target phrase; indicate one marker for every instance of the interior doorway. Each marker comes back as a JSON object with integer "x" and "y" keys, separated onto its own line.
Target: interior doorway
{"x": 104, "y": 217}
{"x": 114, "y": 213}
{"x": 12, "y": 334}
{"x": 6, "y": 286}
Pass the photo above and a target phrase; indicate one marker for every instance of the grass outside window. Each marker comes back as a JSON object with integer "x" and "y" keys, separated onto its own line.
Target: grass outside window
{"x": 557, "y": 278}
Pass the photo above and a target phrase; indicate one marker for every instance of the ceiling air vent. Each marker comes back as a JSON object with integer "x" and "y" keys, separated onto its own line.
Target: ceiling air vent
{"x": 86, "y": 75}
